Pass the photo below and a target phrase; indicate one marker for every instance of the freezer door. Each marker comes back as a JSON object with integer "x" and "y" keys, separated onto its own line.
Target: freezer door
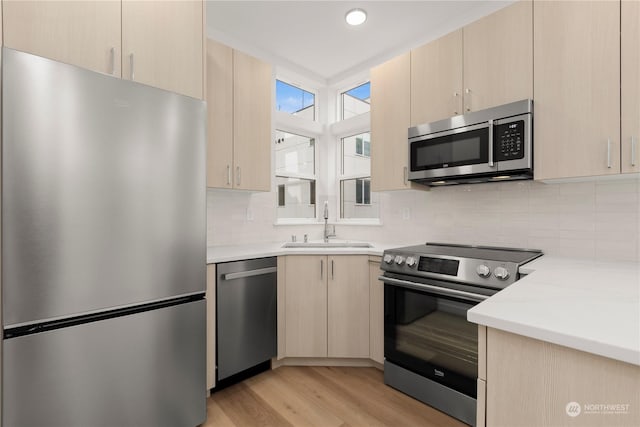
{"x": 145, "y": 369}
{"x": 103, "y": 191}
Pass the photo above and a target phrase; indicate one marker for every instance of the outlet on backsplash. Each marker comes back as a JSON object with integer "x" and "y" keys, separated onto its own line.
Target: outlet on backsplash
{"x": 406, "y": 213}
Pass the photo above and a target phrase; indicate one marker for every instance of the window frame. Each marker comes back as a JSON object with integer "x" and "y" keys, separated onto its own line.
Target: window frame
{"x": 358, "y": 128}
{"x": 302, "y": 176}
{"x": 340, "y": 98}
{"x": 294, "y": 83}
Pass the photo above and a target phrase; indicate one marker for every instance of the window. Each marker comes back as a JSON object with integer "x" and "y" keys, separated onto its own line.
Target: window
{"x": 294, "y": 100}
{"x": 355, "y": 101}
{"x": 295, "y": 175}
{"x": 356, "y": 199}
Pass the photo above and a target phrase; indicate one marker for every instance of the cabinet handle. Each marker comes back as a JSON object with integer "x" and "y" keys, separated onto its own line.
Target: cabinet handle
{"x": 332, "y": 270}
{"x": 321, "y": 269}
{"x": 112, "y": 60}
{"x": 490, "y": 142}
{"x": 132, "y": 73}
{"x": 238, "y": 175}
{"x": 228, "y": 175}
{"x": 633, "y": 151}
{"x": 468, "y": 97}
{"x": 455, "y": 103}
{"x": 609, "y": 153}
{"x": 405, "y": 175}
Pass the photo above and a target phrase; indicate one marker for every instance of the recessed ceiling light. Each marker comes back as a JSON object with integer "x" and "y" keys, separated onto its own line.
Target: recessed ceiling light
{"x": 356, "y": 17}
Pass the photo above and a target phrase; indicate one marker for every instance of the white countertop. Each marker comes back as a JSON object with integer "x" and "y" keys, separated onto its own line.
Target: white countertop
{"x": 217, "y": 254}
{"x": 585, "y": 305}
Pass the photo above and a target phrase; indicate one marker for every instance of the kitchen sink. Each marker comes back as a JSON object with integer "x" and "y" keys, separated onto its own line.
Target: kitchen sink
{"x": 327, "y": 245}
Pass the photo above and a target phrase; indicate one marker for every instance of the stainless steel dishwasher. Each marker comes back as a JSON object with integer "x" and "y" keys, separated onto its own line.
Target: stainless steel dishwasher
{"x": 246, "y": 314}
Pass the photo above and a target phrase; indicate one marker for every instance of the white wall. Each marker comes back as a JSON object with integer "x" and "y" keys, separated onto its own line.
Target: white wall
{"x": 594, "y": 220}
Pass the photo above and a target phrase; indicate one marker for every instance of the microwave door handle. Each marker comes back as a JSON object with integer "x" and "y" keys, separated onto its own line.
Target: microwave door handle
{"x": 491, "y": 164}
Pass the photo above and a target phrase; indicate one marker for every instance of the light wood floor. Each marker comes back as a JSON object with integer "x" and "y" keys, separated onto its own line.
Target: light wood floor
{"x": 319, "y": 396}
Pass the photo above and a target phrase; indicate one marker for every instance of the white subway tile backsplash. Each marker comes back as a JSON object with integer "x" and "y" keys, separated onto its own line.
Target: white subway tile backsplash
{"x": 586, "y": 219}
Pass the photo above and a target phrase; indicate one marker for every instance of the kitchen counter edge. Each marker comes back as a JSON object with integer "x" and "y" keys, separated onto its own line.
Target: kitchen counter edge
{"x": 581, "y": 304}
{"x": 228, "y": 253}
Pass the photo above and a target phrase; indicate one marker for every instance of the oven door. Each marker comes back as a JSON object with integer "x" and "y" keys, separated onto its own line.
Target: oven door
{"x": 457, "y": 152}
{"x": 426, "y": 331}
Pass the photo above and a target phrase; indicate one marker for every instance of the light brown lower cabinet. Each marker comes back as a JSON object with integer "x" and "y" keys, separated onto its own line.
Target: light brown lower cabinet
{"x": 211, "y": 326}
{"x": 535, "y": 383}
{"x": 376, "y": 311}
{"x": 323, "y": 306}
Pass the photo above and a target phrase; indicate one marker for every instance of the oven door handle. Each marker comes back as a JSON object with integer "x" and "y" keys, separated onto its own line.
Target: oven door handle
{"x": 434, "y": 289}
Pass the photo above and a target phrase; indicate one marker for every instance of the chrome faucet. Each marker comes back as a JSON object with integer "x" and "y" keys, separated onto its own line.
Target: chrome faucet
{"x": 326, "y": 225}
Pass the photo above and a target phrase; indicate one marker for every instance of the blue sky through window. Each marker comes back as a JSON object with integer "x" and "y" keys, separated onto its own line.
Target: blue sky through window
{"x": 291, "y": 99}
{"x": 361, "y": 92}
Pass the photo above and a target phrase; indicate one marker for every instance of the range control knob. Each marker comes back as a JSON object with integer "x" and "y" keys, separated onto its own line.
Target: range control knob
{"x": 388, "y": 258}
{"x": 399, "y": 260}
{"x": 501, "y": 273}
{"x": 483, "y": 270}
{"x": 411, "y": 261}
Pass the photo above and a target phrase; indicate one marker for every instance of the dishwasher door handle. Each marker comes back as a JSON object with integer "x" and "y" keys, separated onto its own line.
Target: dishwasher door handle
{"x": 250, "y": 273}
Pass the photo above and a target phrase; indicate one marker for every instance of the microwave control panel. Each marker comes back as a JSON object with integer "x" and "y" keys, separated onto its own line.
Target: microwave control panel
{"x": 509, "y": 140}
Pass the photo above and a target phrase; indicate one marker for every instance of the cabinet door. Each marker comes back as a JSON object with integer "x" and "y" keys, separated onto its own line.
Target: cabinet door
{"x": 376, "y": 312}
{"x": 211, "y": 326}
{"x": 252, "y": 88}
{"x": 219, "y": 115}
{"x": 436, "y": 79}
{"x": 630, "y": 73}
{"x": 498, "y": 57}
{"x": 306, "y": 306}
{"x": 82, "y": 33}
{"x": 576, "y": 88}
{"x": 348, "y": 311}
{"x": 390, "y": 118}
{"x": 162, "y": 44}
{"x": 554, "y": 376}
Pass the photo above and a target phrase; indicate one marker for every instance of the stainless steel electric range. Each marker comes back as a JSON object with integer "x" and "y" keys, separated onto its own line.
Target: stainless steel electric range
{"x": 430, "y": 349}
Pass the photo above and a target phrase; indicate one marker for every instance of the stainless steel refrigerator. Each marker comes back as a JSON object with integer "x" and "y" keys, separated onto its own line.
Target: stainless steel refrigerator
{"x": 103, "y": 249}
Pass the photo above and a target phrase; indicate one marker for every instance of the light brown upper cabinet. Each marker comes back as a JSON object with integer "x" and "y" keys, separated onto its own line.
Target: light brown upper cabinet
{"x": 390, "y": 117}
{"x": 498, "y": 57}
{"x": 252, "y": 88}
{"x": 219, "y": 115}
{"x": 576, "y": 88}
{"x": 158, "y": 43}
{"x": 239, "y": 105}
{"x": 487, "y": 63}
{"x": 436, "y": 79}
{"x": 162, "y": 44}
{"x": 630, "y": 73}
{"x": 82, "y": 33}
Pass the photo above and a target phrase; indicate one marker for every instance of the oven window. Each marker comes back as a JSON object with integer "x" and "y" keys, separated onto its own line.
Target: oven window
{"x": 430, "y": 335}
{"x": 466, "y": 148}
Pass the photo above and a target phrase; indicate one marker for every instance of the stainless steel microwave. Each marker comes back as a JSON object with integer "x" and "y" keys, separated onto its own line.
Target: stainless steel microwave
{"x": 495, "y": 144}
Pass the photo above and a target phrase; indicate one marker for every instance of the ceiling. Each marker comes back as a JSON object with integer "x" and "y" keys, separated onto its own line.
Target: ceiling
{"x": 313, "y": 39}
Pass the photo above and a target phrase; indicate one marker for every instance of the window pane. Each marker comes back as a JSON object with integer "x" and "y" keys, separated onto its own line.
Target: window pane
{"x": 356, "y": 101}
{"x": 295, "y": 154}
{"x": 366, "y": 191}
{"x": 298, "y": 197}
{"x": 281, "y": 195}
{"x": 357, "y": 200}
{"x": 355, "y": 155}
{"x": 296, "y": 101}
